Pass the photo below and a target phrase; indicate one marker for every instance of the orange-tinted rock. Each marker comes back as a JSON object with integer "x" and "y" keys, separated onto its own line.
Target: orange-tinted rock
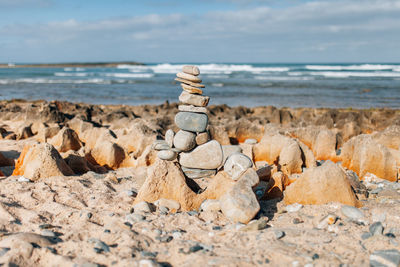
{"x": 46, "y": 133}
{"x": 363, "y": 154}
{"x": 24, "y": 133}
{"x": 320, "y": 185}
{"x": 390, "y": 137}
{"x": 219, "y": 133}
{"x": 41, "y": 161}
{"x": 76, "y": 162}
{"x": 276, "y": 185}
{"x": 65, "y": 140}
{"x": 108, "y": 154}
{"x": 280, "y": 150}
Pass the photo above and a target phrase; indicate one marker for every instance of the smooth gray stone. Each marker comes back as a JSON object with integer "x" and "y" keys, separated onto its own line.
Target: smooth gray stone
{"x": 207, "y": 156}
{"x": 160, "y": 145}
{"x": 365, "y": 235}
{"x": 169, "y": 137}
{"x": 352, "y": 212}
{"x": 376, "y": 228}
{"x": 192, "y": 122}
{"x": 229, "y": 150}
{"x": 236, "y": 165}
{"x": 381, "y": 258}
{"x": 167, "y": 155}
{"x": 185, "y": 140}
{"x": 198, "y": 173}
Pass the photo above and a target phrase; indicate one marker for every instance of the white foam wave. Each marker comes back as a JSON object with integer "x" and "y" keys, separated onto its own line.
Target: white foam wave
{"x": 217, "y": 84}
{"x": 130, "y": 75}
{"x": 283, "y": 78}
{"x": 205, "y": 68}
{"x": 347, "y": 74}
{"x": 52, "y": 81}
{"x": 68, "y": 74}
{"x": 72, "y": 69}
{"x": 352, "y": 67}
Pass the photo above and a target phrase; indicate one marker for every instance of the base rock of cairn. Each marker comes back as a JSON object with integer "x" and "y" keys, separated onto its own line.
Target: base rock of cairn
{"x": 190, "y": 154}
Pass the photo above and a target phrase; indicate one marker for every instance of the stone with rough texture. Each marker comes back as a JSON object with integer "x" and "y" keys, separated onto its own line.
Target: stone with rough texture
{"x": 65, "y": 140}
{"x": 166, "y": 180}
{"x": 141, "y": 207}
{"x": 190, "y": 69}
{"x": 191, "y": 89}
{"x": 385, "y": 258}
{"x": 237, "y": 164}
{"x": 239, "y": 204}
{"x": 197, "y": 173}
{"x": 190, "y": 83}
{"x": 202, "y": 138}
{"x": 363, "y": 154}
{"x": 184, "y": 140}
{"x": 188, "y": 77}
{"x": 208, "y": 156}
{"x": 320, "y": 185}
{"x": 108, "y": 154}
{"x": 276, "y": 185}
{"x": 167, "y": 155}
{"x": 195, "y": 100}
{"x": 192, "y": 122}
{"x": 191, "y": 108}
{"x": 41, "y": 161}
{"x": 169, "y": 137}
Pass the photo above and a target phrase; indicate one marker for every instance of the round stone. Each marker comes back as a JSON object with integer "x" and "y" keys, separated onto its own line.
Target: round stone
{"x": 184, "y": 140}
{"x": 352, "y": 212}
{"x": 167, "y": 155}
{"x": 192, "y": 122}
{"x": 236, "y": 165}
{"x": 169, "y": 137}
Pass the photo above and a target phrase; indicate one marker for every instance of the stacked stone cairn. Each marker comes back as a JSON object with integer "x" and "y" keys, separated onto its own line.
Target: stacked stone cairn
{"x": 200, "y": 157}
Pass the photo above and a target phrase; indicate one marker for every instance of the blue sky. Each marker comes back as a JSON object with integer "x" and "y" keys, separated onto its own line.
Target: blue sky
{"x": 200, "y": 30}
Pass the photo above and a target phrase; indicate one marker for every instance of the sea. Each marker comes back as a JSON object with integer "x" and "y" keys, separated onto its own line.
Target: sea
{"x": 282, "y": 85}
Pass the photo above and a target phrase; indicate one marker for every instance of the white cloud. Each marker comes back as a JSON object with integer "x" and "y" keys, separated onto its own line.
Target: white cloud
{"x": 312, "y": 31}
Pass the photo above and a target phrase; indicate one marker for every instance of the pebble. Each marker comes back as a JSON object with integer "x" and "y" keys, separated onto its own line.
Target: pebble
{"x": 99, "y": 246}
{"x": 260, "y": 189}
{"x": 134, "y": 218}
{"x": 202, "y": 138}
{"x": 195, "y": 248}
{"x": 190, "y": 83}
{"x": 171, "y": 204}
{"x": 207, "y": 156}
{"x": 376, "y": 228}
{"x": 327, "y": 220}
{"x": 169, "y": 137}
{"x": 250, "y": 141}
{"x": 365, "y": 235}
{"x": 164, "y": 239}
{"x": 190, "y": 69}
{"x": 195, "y": 100}
{"x": 177, "y": 235}
{"x": 236, "y": 165}
{"x": 198, "y": 173}
{"x": 279, "y": 234}
{"x": 161, "y": 145}
{"x": 192, "y": 213}
{"x": 142, "y": 206}
{"x": 210, "y": 205}
{"x": 148, "y": 254}
{"x": 191, "y": 89}
{"x": 184, "y": 140}
{"x": 293, "y": 207}
{"x": 23, "y": 179}
{"x": 297, "y": 221}
{"x": 255, "y": 225}
{"x": 167, "y": 155}
{"x": 382, "y": 258}
{"x": 48, "y": 233}
{"x": 352, "y": 212}
{"x": 188, "y": 77}
{"x": 192, "y": 122}
{"x": 191, "y": 108}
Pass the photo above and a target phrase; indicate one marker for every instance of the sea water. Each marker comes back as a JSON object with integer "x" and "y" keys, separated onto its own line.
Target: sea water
{"x": 290, "y": 85}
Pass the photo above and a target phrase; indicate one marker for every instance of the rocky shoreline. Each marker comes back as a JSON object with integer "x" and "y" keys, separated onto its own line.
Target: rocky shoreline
{"x": 327, "y": 190}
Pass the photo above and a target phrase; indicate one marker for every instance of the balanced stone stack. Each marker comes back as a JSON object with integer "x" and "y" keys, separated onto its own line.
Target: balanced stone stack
{"x": 198, "y": 156}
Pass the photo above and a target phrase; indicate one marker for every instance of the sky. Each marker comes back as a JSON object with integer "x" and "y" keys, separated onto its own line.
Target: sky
{"x": 197, "y": 31}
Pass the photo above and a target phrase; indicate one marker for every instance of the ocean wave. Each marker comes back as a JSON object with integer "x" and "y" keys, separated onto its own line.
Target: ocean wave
{"x": 74, "y": 69}
{"x": 52, "y": 81}
{"x": 347, "y": 74}
{"x": 129, "y": 75}
{"x": 283, "y": 78}
{"x": 69, "y": 74}
{"x": 352, "y": 67}
{"x": 167, "y": 68}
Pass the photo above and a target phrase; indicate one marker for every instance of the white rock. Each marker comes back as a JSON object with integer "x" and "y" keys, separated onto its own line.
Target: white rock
{"x": 190, "y": 69}
{"x": 236, "y": 165}
{"x": 184, "y": 140}
{"x": 210, "y": 205}
{"x": 191, "y": 108}
{"x": 169, "y": 137}
{"x": 195, "y": 100}
{"x": 207, "y": 156}
{"x": 171, "y": 204}
{"x": 167, "y": 155}
{"x": 188, "y": 77}
{"x": 293, "y": 207}
{"x": 142, "y": 206}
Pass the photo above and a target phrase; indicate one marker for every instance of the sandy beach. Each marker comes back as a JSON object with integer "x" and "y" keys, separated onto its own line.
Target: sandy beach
{"x": 74, "y": 203}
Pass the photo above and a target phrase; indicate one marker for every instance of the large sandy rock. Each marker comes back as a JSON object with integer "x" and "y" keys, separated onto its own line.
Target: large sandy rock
{"x": 41, "y": 161}
{"x": 45, "y": 133}
{"x": 207, "y": 156}
{"x": 281, "y": 150}
{"x": 390, "y": 137}
{"x": 166, "y": 180}
{"x": 321, "y": 141}
{"x": 65, "y": 140}
{"x": 108, "y": 154}
{"x": 77, "y": 162}
{"x": 320, "y": 185}
{"x": 276, "y": 185}
{"x": 363, "y": 154}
